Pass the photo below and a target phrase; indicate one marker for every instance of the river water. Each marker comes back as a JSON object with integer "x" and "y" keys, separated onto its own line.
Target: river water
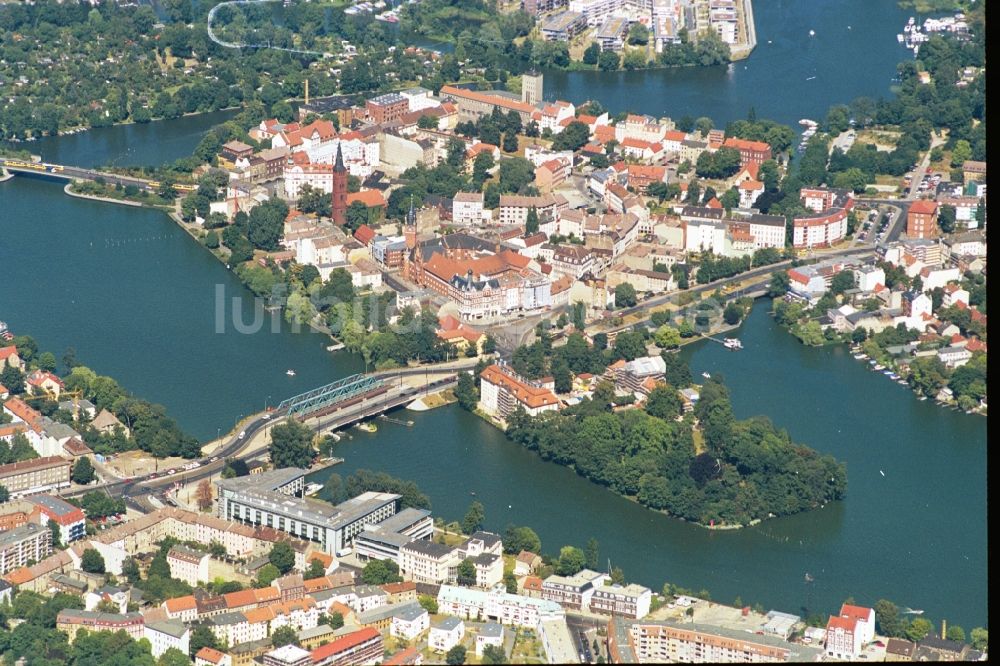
{"x": 138, "y": 301}
{"x": 854, "y": 53}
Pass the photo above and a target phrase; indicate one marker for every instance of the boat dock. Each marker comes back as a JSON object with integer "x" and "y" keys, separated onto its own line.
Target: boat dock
{"x": 396, "y": 421}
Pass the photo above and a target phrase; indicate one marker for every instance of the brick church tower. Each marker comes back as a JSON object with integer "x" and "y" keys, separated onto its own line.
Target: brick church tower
{"x": 338, "y": 203}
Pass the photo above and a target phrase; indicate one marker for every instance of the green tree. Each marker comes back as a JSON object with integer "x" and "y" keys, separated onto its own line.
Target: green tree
{"x": 608, "y": 61}
{"x": 591, "y": 54}
{"x": 83, "y": 471}
{"x": 284, "y": 636}
{"x": 202, "y": 636}
{"x": 291, "y": 445}
{"x": 667, "y": 337}
{"x": 638, "y": 35}
{"x": 282, "y": 556}
{"x": 173, "y": 657}
{"x": 91, "y": 561}
{"x": 625, "y": 296}
{"x": 955, "y": 633}
{"x": 455, "y": 655}
{"x": 593, "y": 553}
{"x": 663, "y": 403}
{"x": 56, "y": 531}
{"x": 509, "y": 144}
{"x": 380, "y": 572}
{"x": 494, "y": 654}
{"x": 466, "y": 392}
{"x": 730, "y": 199}
{"x": 474, "y": 518}
{"x": 267, "y": 574}
{"x": 573, "y": 137}
{"x": 733, "y": 313}
{"x": 887, "y": 618}
{"x": 980, "y": 638}
{"x": 531, "y": 222}
{"x": 466, "y": 574}
{"x": 429, "y": 603}
{"x": 571, "y": 561}
{"x": 918, "y": 629}
{"x": 516, "y": 539}
{"x": 946, "y": 218}
{"x": 779, "y": 284}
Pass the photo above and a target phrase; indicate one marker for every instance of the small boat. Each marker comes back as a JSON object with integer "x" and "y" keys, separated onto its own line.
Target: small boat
{"x": 809, "y": 577}
{"x": 290, "y": 372}
{"x": 812, "y": 33}
{"x": 732, "y": 343}
{"x": 810, "y": 78}
{"x": 858, "y": 357}
{"x": 706, "y": 375}
{"x": 880, "y": 367}
{"x": 872, "y": 362}
{"x": 900, "y": 38}
{"x": 881, "y": 472}
{"x": 367, "y": 427}
{"x": 902, "y": 382}
{"x": 472, "y": 492}
{"x": 336, "y": 347}
{"x": 922, "y": 398}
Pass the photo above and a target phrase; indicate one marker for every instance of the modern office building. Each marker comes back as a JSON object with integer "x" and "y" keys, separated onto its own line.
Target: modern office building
{"x": 273, "y": 499}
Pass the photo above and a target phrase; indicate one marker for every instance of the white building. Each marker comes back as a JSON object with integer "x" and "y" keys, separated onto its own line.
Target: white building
{"x": 467, "y": 208}
{"x": 317, "y": 176}
{"x": 501, "y": 393}
{"x": 868, "y": 277}
{"x": 496, "y": 605}
{"x": 490, "y": 634}
{"x": 767, "y": 230}
{"x": 630, "y": 601}
{"x": 446, "y": 634}
{"x": 426, "y": 562}
{"x": 167, "y": 634}
{"x": 409, "y": 622}
{"x": 188, "y": 565}
{"x": 704, "y": 236}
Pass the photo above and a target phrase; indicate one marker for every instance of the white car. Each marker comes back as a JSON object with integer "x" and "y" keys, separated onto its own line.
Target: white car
{"x": 243, "y": 433}
{"x": 266, "y": 416}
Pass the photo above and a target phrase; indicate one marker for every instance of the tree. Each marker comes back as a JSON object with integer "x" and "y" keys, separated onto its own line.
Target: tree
{"x": 592, "y": 551}
{"x": 510, "y": 582}
{"x": 56, "y": 531}
{"x": 730, "y": 199}
{"x": 474, "y": 518}
{"x": 841, "y": 282}
{"x": 667, "y": 337}
{"x": 608, "y": 61}
{"x": 516, "y": 539}
{"x": 591, "y": 54}
{"x": 130, "y": 569}
{"x": 284, "y": 636}
{"x": 291, "y": 444}
{"x": 561, "y": 375}
{"x": 980, "y": 638}
{"x": 267, "y": 574}
{"x": 704, "y": 125}
{"x": 92, "y": 561}
{"x": 571, "y": 561}
{"x": 314, "y": 570}
{"x": 282, "y": 556}
{"x": 663, "y": 403}
{"x": 83, "y": 471}
{"x": 494, "y": 654}
{"x": 173, "y": 657}
{"x": 203, "y": 494}
{"x": 455, "y": 656}
{"x": 573, "y": 137}
{"x": 202, "y": 636}
{"x": 955, "y": 633}
{"x": 466, "y": 392}
{"x": 380, "y": 572}
{"x": 625, "y": 296}
{"x": 638, "y": 35}
{"x": 918, "y": 629}
{"x": 887, "y": 618}
{"x": 677, "y": 372}
{"x": 779, "y": 284}
{"x": 429, "y": 603}
{"x": 466, "y": 574}
{"x": 509, "y": 144}
{"x": 946, "y": 218}
{"x": 531, "y": 221}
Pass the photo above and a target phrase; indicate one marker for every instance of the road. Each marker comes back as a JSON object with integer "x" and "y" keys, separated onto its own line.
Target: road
{"x": 136, "y": 490}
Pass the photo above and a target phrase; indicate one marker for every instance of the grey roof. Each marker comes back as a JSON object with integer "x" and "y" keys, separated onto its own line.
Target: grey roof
{"x": 55, "y": 505}
{"x": 170, "y": 627}
{"x": 449, "y": 623}
{"x": 796, "y": 652}
{"x": 703, "y": 212}
{"x": 270, "y": 480}
{"x": 233, "y": 617}
{"x": 374, "y": 615}
{"x": 773, "y": 220}
{"x": 485, "y": 559}
{"x": 429, "y": 548}
{"x": 28, "y": 531}
{"x": 368, "y": 591}
{"x": 491, "y": 630}
{"x": 489, "y": 539}
{"x": 409, "y": 613}
{"x": 63, "y": 579}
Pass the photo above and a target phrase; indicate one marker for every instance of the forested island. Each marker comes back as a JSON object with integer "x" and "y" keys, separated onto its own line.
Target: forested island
{"x": 704, "y": 466}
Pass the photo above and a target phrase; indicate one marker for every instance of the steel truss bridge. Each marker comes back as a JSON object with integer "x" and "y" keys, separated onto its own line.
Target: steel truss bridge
{"x": 330, "y": 394}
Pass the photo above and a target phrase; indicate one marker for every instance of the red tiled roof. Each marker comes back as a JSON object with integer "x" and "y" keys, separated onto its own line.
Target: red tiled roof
{"x": 365, "y": 234}
{"x": 924, "y": 207}
{"x": 178, "y": 604}
{"x": 532, "y": 396}
{"x": 343, "y": 643}
{"x": 370, "y": 198}
{"x": 845, "y": 623}
{"x": 6, "y": 352}
{"x": 210, "y": 655}
{"x": 858, "y": 612}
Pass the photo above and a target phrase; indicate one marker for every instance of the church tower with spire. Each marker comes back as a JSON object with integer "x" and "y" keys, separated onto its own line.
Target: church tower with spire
{"x": 410, "y": 228}
{"x": 338, "y": 203}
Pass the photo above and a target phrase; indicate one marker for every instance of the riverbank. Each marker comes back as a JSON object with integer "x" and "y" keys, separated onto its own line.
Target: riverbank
{"x": 92, "y": 197}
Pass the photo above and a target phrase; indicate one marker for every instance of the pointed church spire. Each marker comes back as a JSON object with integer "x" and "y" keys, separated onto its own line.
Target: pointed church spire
{"x": 411, "y": 215}
{"x": 339, "y": 165}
